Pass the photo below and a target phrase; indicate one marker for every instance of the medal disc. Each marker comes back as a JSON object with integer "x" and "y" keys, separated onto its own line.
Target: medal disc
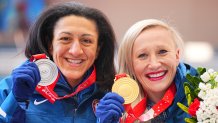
{"x": 127, "y": 88}
{"x": 48, "y": 71}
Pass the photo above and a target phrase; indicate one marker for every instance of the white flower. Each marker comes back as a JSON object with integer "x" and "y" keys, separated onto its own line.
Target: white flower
{"x": 205, "y": 77}
{"x": 216, "y": 79}
{"x": 208, "y": 86}
{"x": 202, "y": 94}
{"x": 202, "y": 86}
{"x": 210, "y": 71}
{"x": 212, "y": 120}
{"x": 207, "y": 93}
{"x": 207, "y": 112}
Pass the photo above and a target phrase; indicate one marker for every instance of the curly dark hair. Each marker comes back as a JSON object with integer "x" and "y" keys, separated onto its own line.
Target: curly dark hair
{"x": 41, "y": 36}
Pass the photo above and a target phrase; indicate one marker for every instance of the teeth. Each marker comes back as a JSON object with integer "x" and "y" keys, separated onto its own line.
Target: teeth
{"x": 156, "y": 75}
{"x": 75, "y": 61}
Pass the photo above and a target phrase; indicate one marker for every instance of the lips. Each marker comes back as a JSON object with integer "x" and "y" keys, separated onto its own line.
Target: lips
{"x": 155, "y": 76}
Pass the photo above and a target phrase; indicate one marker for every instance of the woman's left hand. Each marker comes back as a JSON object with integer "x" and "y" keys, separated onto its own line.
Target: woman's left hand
{"x": 110, "y": 108}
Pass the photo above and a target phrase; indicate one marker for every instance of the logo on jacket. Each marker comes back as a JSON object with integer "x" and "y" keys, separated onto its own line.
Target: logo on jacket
{"x": 94, "y": 104}
{"x": 39, "y": 102}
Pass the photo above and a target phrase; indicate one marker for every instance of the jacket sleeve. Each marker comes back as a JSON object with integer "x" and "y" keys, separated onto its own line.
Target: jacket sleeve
{"x": 10, "y": 111}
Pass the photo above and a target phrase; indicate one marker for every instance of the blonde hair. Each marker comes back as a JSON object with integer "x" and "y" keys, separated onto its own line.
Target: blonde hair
{"x": 126, "y": 46}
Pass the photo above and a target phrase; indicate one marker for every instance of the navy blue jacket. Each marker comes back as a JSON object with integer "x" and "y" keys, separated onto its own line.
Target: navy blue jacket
{"x": 77, "y": 109}
{"x": 174, "y": 113}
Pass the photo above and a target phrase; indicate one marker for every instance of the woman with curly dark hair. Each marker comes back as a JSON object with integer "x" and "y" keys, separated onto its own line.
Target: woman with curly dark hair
{"x": 79, "y": 43}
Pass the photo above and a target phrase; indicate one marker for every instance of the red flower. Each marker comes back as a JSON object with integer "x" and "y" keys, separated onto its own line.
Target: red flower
{"x": 194, "y": 107}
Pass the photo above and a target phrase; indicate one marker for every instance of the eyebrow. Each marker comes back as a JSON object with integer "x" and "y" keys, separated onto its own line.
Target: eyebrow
{"x": 87, "y": 35}
{"x": 72, "y": 34}
{"x": 66, "y": 33}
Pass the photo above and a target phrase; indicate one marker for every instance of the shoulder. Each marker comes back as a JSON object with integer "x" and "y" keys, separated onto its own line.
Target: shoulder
{"x": 182, "y": 70}
{"x": 6, "y": 83}
{"x": 186, "y": 68}
{"x": 5, "y": 88}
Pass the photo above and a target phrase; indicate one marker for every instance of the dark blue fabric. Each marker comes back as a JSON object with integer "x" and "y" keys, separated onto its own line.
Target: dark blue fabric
{"x": 25, "y": 79}
{"x": 19, "y": 116}
{"x": 174, "y": 113}
{"x": 110, "y": 108}
{"x": 8, "y": 103}
{"x": 68, "y": 110}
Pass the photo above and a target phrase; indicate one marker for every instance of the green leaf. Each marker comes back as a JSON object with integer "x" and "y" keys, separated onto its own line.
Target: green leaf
{"x": 213, "y": 83}
{"x": 189, "y": 90}
{"x": 190, "y": 120}
{"x": 197, "y": 80}
{"x": 189, "y": 77}
{"x": 201, "y": 70}
{"x": 187, "y": 84}
{"x": 191, "y": 80}
{"x": 188, "y": 94}
{"x": 183, "y": 107}
{"x": 196, "y": 91}
{"x": 189, "y": 99}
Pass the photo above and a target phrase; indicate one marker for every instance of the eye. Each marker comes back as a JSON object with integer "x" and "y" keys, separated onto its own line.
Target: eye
{"x": 65, "y": 38}
{"x": 142, "y": 56}
{"x": 86, "y": 41}
{"x": 163, "y": 51}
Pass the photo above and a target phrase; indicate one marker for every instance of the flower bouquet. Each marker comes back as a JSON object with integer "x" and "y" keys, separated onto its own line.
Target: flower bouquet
{"x": 202, "y": 96}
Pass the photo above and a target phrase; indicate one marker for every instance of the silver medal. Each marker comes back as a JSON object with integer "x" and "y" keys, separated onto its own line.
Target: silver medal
{"x": 48, "y": 71}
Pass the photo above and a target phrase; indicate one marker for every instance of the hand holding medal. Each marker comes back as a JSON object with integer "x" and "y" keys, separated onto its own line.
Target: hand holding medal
{"x": 50, "y": 75}
{"x": 126, "y": 87}
{"x": 48, "y": 71}
{"x": 129, "y": 90}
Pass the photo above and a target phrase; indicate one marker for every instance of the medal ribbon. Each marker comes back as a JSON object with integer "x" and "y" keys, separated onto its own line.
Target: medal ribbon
{"x": 118, "y": 76}
{"x": 158, "y": 108}
{"x": 47, "y": 91}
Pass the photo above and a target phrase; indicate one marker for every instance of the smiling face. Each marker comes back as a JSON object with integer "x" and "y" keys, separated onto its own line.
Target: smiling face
{"x": 155, "y": 58}
{"x": 74, "y": 46}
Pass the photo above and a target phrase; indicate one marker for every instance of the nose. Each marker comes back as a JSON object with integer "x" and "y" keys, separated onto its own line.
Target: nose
{"x": 154, "y": 62}
{"x": 76, "y": 48}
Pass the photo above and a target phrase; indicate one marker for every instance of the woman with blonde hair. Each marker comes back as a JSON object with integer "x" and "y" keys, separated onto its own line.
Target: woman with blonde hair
{"x": 150, "y": 53}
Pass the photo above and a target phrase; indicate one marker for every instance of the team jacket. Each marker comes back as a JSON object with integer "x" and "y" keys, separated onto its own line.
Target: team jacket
{"x": 77, "y": 109}
{"x": 174, "y": 113}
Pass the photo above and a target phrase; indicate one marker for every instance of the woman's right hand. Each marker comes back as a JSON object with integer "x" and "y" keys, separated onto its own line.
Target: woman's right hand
{"x": 25, "y": 80}
{"x": 110, "y": 108}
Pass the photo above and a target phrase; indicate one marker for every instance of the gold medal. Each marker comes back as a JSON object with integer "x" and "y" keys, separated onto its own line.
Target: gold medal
{"x": 126, "y": 87}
